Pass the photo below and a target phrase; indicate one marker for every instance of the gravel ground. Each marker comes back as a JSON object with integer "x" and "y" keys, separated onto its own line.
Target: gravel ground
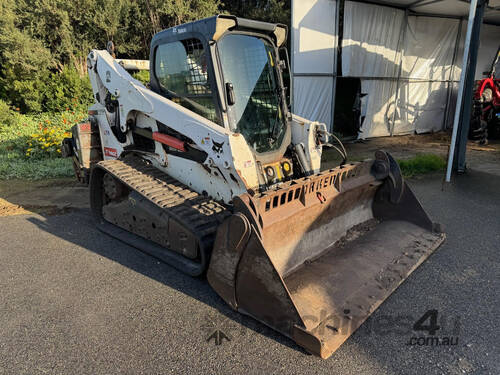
{"x": 75, "y": 301}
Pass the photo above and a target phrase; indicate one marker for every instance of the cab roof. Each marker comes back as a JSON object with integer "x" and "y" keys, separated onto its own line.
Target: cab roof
{"x": 214, "y": 27}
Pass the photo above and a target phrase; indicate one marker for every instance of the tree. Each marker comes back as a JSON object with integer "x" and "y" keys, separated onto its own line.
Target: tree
{"x": 42, "y": 40}
{"x": 25, "y": 63}
{"x": 275, "y": 11}
{"x": 48, "y": 21}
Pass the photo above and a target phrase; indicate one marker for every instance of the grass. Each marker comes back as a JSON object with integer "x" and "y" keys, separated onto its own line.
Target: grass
{"x": 12, "y": 166}
{"x": 421, "y": 164}
{"x": 14, "y": 144}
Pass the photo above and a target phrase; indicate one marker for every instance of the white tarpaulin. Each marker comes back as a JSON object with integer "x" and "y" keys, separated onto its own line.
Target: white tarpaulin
{"x": 373, "y": 51}
{"x": 378, "y": 108}
{"x": 312, "y": 98}
{"x": 427, "y": 64}
{"x": 314, "y": 39}
{"x": 408, "y": 65}
{"x": 428, "y": 48}
{"x": 421, "y": 108}
{"x": 370, "y": 42}
{"x": 417, "y": 54}
{"x": 489, "y": 41}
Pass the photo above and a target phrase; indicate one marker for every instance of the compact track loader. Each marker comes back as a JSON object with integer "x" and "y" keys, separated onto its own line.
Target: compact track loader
{"x": 206, "y": 169}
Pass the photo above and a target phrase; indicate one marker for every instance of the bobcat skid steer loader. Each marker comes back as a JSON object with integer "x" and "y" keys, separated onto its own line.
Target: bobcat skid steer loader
{"x": 206, "y": 169}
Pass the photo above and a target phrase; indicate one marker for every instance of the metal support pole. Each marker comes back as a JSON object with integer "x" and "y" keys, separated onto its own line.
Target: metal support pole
{"x": 452, "y": 75}
{"x": 465, "y": 61}
{"x": 464, "y": 124}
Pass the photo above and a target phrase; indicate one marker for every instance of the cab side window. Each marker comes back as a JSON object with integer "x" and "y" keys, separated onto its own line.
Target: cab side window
{"x": 181, "y": 68}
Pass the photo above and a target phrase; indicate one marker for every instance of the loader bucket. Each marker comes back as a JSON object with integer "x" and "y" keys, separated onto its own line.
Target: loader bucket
{"x": 314, "y": 258}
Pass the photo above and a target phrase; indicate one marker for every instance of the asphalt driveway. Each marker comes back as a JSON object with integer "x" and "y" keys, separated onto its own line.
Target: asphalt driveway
{"x": 73, "y": 300}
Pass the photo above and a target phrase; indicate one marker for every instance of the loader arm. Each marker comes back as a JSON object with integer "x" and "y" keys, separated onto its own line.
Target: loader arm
{"x": 231, "y": 159}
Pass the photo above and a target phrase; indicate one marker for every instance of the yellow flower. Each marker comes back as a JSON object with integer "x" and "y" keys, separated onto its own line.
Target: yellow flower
{"x": 29, "y": 149}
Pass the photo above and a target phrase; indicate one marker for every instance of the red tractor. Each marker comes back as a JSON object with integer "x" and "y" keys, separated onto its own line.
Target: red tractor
{"x": 485, "y": 119}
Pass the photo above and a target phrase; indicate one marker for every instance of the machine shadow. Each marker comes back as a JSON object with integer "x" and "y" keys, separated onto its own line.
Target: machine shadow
{"x": 90, "y": 238}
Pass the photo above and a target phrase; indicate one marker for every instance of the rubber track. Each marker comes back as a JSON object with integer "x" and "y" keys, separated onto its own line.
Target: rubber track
{"x": 199, "y": 214}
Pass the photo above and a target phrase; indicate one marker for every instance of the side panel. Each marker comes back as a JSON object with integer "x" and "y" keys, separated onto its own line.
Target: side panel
{"x": 210, "y": 181}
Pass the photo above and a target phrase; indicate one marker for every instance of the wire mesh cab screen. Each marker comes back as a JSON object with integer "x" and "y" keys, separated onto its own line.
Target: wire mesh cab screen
{"x": 181, "y": 68}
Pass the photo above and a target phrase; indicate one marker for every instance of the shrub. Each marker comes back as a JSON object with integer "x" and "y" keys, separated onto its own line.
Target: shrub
{"x": 7, "y": 116}
{"x": 66, "y": 89}
{"x": 46, "y": 143}
{"x": 142, "y": 76}
{"x": 41, "y": 162}
{"x": 47, "y": 92}
{"x": 25, "y": 64}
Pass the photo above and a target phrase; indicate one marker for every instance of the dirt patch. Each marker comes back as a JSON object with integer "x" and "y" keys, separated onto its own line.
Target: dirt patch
{"x": 9, "y": 209}
{"x": 356, "y": 232}
{"x": 47, "y": 197}
{"x": 14, "y": 186}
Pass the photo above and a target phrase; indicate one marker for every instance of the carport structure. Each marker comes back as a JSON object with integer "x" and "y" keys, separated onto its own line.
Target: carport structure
{"x": 407, "y": 56}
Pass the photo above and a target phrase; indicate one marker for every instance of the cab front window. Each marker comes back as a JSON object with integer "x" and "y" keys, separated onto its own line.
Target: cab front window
{"x": 249, "y": 66}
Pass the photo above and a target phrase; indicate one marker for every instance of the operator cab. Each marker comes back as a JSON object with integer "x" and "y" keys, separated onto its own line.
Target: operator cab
{"x": 228, "y": 70}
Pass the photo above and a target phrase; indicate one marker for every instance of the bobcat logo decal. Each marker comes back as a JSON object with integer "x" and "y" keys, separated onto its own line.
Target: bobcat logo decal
{"x": 217, "y": 147}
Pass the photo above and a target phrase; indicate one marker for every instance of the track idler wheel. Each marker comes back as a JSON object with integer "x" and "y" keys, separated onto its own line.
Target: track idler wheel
{"x": 112, "y": 187}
